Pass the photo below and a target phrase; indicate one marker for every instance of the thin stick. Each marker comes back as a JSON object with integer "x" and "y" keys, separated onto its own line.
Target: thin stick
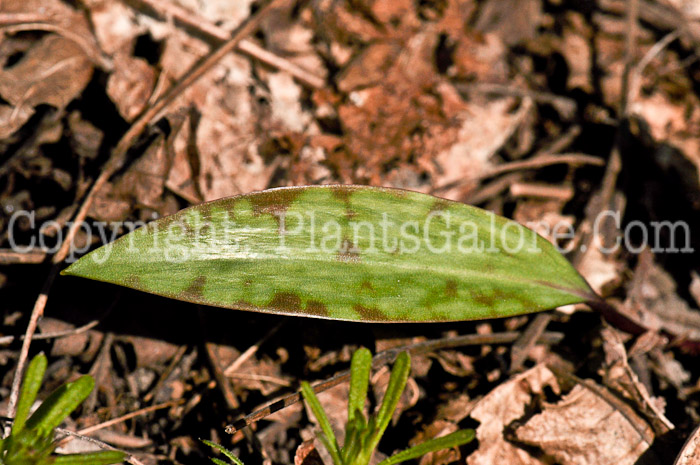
{"x": 524, "y": 344}
{"x": 389, "y": 356}
{"x": 191, "y": 20}
{"x": 31, "y": 257}
{"x": 58, "y": 334}
{"x": 116, "y": 160}
{"x": 102, "y": 445}
{"x": 250, "y": 351}
{"x": 128, "y": 416}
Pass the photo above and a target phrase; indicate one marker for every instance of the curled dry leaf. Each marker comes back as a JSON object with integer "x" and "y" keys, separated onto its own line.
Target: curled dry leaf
{"x": 502, "y": 406}
{"x": 54, "y": 71}
{"x": 619, "y": 376}
{"x": 130, "y": 85}
{"x": 653, "y": 302}
{"x": 584, "y": 429}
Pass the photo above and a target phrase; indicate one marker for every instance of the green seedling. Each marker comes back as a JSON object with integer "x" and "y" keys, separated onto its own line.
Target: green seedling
{"x": 31, "y": 440}
{"x": 362, "y": 435}
{"x": 345, "y": 253}
{"x": 234, "y": 460}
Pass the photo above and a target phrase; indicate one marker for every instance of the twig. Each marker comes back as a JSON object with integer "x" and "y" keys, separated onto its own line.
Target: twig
{"x": 565, "y": 104}
{"x": 191, "y": 20}
{"x": 31, "y": 257}
{"x": 58, "y": 334}
{"x": 102, "y": 445}
{"x": 573, "y": 159}
{"x": 250, "y": 351}
{"x": 524, "y": 344}
{"x": 492, "y": 189}
{"x": 635, "y": 77}
{"x": 128, "y": 416}
{"x": 116, "y": 160}
{"x": 547, "y": 191}
{"x": 171, "y": 367}
{"x": 266, "y": 378}
{"x": 542, "y": 158}
{"x": 389, "y": 356}
{"x": 630, "y": 51}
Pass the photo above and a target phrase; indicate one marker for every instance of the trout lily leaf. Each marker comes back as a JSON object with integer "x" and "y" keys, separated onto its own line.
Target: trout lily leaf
{"x": 342, "y": 252}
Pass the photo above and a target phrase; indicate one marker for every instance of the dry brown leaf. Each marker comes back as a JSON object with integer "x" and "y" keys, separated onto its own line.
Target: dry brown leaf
{"x": 54, "y": 71}
{"x": 150, "y": 351}
{"x": 576, "y": 49}
{"x": 652, "y": 297}
{"x": 512, "y": 20}
{"x": 130, "y": 85}
{"x": 619, "y": 376}
{"x": 182, "y": 179}
{"x": 690, "y": 454}
{"x": 285, "y": 100}
{"x": 674, "y": 122}
{"x": 116, "y": 26}
{"x": 485, "y": 127}
{"x": 584, "y": 429}
{"x": 505, "y": 404}
{"x": 226, "y": 13}
{"x": 226, "y": 131}
{"x": 306, "y": 454}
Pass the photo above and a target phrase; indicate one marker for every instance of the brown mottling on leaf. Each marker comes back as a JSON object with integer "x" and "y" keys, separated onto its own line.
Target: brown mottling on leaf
{"x": 439, "y": 205}
{"x": 343, "y": 193}
{"x": 314, "y": 307}
{"x": 369, "y": 314}
{"x": 487, "y": 300}
{"x": 366, "y": 286}
{"x": 348, "y": 253}
{"x": 286, "y": 302}
{"x": 274, "y": 202}
{"x": 132, "y": 281}
{"x": 196, "y": 289}
{"x": 451, "y": 288}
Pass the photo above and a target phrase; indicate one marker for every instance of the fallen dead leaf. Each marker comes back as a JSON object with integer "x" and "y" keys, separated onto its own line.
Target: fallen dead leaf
{"x": 54, "y": 71}
{"x": 652, "y": 297}
{"x": 583, "y": 429}
{"x": 619, "y": 376}
{"x": 503, "y": 405}
{"x": 130, "y": 85}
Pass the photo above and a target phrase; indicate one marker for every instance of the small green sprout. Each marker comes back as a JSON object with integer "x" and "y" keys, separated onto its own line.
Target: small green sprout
{"x": 361, "y": 434}
{"x": 234, "y": 460}
{"x": 31, "y": 440}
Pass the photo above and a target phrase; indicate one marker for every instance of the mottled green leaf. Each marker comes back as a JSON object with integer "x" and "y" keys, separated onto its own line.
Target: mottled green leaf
{"x": 342, "y": 252}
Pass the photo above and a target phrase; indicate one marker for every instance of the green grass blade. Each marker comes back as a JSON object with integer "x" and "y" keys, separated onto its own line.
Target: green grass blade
{"x": 445, "y": 442}
{"x": 30, "y": 387}
{"x": 330, "y": 441}
{"x": 224, "y": 451}
{"x": 360, "y": 368}
{"x": 59, "y": 405}
{"x": 397, "y": 383}
{"x": 343, "y": 252}
{"x": 106, "y": 457}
